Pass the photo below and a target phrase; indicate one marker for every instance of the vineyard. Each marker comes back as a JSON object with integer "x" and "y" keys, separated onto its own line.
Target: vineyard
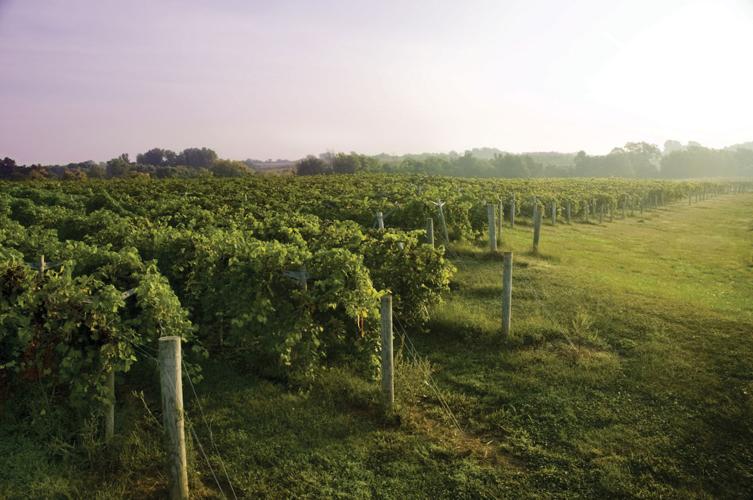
{"x": 279, "y": 276}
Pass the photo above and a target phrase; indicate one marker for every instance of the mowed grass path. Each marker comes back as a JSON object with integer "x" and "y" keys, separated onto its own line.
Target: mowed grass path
{"x": 630, "y": 370}
{"x": 629, "y": 373}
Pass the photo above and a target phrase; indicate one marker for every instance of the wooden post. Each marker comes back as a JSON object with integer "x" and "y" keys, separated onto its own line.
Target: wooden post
{"x": 110, "y": 408}
{"x": 380, "y": 220}
{"x": 567, "y": 211}
{"x": 173, "y": 417}
{"x": 501, "y": 219}
{"x": 444, "y": 225}
{"x": 506, "y": 292}
{"x": 492, "y": 227}
{"x": 41, "y": 267}
{"x": 430, "y": 231}
{"x": 536, "y": 230}
{"x": 554, "y": 213}
{"x": 512, "y": 212}
{"x": 388, "y": 385}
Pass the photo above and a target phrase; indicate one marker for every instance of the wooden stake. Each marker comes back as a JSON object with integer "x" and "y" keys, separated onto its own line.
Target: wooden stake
{"x": 512, "y": 212}
{"x": 536, "y": 231}
{"x": 501, "y": 220}
{"x": 444, "y": 225}
{"x": 380, "y": 220}
{"x": 554, "y": 213}
{"x": 506, "y": 292}
{"x": 173, "y": 416}
{"x": 388, "y": 385}
{"x": 492, "y": 227}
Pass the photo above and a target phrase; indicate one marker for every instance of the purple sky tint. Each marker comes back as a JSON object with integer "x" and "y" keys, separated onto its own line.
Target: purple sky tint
{"x": 93, "y": 79}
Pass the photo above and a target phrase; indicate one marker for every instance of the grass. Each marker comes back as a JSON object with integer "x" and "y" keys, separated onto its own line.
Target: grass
{"x": 629, "y": 373}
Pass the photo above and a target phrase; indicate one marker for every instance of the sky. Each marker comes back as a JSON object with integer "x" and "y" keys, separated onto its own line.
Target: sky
{"x": 91, "y": 79}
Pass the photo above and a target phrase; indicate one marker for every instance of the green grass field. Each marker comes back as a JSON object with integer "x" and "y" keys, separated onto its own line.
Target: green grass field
{"x": 629, "y": 373}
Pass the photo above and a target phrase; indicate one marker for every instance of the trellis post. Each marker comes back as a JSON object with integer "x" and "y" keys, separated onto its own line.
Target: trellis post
{"x": 388, "y": 385}
{"x": 536, "y": 230}
{"x": 440, "y": 204}
{"x": 554, "y": 213}
{"x": 501, "y": 219}
{"x": 512, "y": 212}
{"x": 173, "y": 416}
{"x": 506, "y": 292}
{"x": 492, "y": 227}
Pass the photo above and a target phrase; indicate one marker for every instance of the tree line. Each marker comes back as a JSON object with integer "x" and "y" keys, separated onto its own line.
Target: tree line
{"x": 633, "y": 160}
{"x": 157, "y": 162}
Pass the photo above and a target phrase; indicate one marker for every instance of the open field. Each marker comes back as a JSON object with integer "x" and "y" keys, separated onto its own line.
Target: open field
{"x": 629, "y": 372}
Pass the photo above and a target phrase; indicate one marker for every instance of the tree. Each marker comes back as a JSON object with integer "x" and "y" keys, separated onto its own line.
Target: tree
{"x": 157, "y": 157}
{"x": 346, "y": 164}
{"x": 470, "y": 165}
{"x": 698, "y": 161}
{"x": 195, "y": 157}
{"x": 311, "y": 165}
{"x": 616, "y": 163}
{"x": 508, "y": 165}
{"x": 229, "y": 168}
{"x": 96, "y": 171}
{"x": 7, "y": 167}
{"x": 644, "y": 157}
{"x": 118, "y": 167}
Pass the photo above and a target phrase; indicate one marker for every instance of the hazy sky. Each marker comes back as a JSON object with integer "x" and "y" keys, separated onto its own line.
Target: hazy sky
{"x": 93, "y": 79}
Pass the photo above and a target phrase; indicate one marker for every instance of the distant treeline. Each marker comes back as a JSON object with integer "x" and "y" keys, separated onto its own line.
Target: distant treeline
{"x": 635, "y": 159}
{"x": 160, "y": 163}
